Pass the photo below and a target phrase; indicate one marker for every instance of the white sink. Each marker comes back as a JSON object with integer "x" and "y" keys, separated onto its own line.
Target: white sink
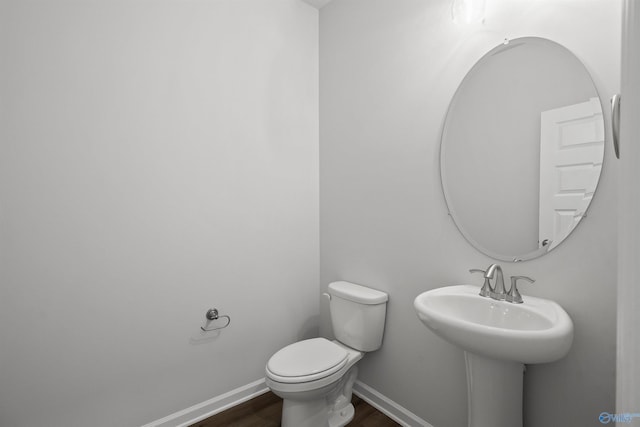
{"x": 536, "y": 331}
{"x": 498, "y": 337}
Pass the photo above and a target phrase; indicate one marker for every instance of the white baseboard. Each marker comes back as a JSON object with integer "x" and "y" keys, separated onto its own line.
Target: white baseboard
{"x": 204, "y": 410}
{"x": 388, "y": 407}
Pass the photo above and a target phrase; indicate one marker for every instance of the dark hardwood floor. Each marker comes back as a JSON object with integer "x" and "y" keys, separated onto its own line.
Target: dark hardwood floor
{"x": 265, "y": 410}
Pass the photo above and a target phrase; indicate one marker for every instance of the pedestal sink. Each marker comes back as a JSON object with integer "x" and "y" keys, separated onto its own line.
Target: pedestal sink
{"x": 498, "y": 338}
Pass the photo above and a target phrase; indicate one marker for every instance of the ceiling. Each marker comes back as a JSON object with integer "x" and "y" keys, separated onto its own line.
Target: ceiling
{"x": 317, "y": 3}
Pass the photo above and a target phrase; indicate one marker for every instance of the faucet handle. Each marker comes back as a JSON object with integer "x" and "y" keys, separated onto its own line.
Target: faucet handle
{"x": 486, "y": 289}
{"x": 513, "y": 295}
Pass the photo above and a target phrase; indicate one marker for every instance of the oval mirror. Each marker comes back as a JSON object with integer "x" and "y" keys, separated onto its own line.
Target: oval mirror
{"x": 522, "y": 149}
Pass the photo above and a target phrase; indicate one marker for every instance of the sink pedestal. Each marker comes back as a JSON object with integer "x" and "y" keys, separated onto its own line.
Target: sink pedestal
{"x": 494, "y": 390}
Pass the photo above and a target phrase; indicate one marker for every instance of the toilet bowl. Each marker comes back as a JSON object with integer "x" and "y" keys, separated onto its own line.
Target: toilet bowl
{"x": 315, "y": 377}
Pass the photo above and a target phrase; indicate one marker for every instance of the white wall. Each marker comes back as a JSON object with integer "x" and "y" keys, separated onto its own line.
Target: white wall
{"x": 157, "y": 158}
{"x": 388, "y": 70}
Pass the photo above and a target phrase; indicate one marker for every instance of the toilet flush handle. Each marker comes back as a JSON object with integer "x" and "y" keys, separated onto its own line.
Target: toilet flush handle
{"x": 326, "y": 295}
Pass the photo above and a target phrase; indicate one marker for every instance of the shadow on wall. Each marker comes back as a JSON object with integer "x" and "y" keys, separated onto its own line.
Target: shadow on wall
{"x": 309, "y": 329}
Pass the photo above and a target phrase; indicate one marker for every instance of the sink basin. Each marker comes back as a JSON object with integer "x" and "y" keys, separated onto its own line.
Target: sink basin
{"x": 537, "y": 331}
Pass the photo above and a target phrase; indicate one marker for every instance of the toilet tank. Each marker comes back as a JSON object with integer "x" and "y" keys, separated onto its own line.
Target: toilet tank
{"x": 357, "y": 315}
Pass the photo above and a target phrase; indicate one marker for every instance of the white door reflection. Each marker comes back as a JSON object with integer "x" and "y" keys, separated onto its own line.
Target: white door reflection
{"x": 571, "y": 152}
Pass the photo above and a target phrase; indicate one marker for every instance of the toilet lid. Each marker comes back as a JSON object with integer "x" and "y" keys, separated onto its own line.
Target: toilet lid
{"x": 307, "y": 360}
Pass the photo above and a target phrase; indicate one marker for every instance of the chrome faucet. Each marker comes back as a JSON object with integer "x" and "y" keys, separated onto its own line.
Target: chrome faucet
{"x": 497, "y": 291}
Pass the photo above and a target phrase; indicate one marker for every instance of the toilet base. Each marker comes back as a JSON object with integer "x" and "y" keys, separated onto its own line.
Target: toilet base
{"x": 331, "y": 408}
{"x": 314, "y": 414}
{"x": 342, "y": 417}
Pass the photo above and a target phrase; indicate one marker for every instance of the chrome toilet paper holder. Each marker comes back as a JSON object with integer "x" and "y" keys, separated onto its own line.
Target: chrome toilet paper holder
{"x": 212, "y": 315}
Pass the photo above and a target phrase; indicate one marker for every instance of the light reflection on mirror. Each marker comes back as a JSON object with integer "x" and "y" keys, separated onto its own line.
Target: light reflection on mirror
{"x": 522, "y": 149}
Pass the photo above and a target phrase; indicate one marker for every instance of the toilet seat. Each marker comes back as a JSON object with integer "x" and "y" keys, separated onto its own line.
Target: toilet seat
{"x": 306, "y": 361}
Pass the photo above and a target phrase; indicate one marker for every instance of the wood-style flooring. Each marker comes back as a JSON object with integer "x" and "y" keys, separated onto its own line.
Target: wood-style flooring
{"x": 265, "y": 411}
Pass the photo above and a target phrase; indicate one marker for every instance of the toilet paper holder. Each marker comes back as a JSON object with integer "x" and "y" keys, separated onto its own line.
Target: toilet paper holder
{"x": 212, "y": 315}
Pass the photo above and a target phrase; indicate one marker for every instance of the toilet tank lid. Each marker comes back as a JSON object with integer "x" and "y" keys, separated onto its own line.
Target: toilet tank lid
{"x": 357, "y": 293}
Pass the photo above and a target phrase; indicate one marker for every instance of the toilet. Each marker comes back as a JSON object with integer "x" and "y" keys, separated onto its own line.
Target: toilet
{"x": 315, "y": 377}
